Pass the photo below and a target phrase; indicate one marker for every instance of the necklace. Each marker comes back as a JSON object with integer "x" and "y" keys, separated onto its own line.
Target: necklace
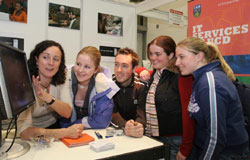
{"x": 45, "y": 87}
{"x": 81, "y": 86}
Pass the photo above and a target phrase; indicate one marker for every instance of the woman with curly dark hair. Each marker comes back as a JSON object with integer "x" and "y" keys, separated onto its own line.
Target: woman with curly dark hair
{"x": 47, "y": 68}
{"x": 59, "y": 77}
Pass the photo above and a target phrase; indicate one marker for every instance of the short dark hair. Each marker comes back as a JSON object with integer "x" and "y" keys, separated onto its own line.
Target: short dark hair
{"x": 60, "y": 76}
{"x": 128, "y": 51}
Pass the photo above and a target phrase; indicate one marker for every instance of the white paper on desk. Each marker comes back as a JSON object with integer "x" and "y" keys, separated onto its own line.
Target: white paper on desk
{"x": 101, "y": 145}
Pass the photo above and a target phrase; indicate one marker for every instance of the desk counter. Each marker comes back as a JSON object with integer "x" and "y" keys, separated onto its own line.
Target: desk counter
{"x": 125, "y": 148}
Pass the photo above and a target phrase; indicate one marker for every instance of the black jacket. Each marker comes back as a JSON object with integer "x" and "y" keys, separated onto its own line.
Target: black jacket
{"x": 129, "y": 103}
{"x": 168, "y": 105}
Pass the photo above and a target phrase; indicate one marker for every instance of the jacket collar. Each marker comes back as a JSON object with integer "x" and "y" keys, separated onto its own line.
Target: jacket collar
{"x": 216, "y": 65}
{"x": 131, "y": 84}
{"x": 75, "y": 87}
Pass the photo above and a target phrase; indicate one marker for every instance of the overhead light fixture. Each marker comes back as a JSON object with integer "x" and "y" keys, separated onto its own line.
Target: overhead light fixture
{"x": 135, "y": 1}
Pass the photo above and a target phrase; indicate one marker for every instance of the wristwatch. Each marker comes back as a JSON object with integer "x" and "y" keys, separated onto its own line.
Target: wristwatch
{"x": 52, "y": 101}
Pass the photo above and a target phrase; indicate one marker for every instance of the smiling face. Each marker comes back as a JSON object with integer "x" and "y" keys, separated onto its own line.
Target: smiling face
{"x": 84, "y": 69}
{"x": 123, "y": 69}
{"x": 187, "y": 61}
{"x": 48, "y": 62}
{"x": 158, "y": 57}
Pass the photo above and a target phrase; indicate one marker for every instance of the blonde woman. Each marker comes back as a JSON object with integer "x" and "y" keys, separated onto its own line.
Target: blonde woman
{"x": 92, "y": 90}
{"x": 214, "y": 103}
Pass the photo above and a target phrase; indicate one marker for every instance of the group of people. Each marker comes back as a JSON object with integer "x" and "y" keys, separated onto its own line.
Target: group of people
{"x": 188, "y": 101}
{"x": 17, "y": 13}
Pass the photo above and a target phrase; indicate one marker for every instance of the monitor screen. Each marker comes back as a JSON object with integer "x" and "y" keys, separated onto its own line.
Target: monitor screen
{"x": 16, "y": 87}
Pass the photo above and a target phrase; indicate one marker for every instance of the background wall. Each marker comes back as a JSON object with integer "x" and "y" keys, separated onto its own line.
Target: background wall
{"x": 158, "y": 21}
{"x": 37, "y": 28}
{"x": 70, "y": 39}
{"x": 91, "y": 8}
{"x": 158, "y": 27}
{"x": 32, "y": 32}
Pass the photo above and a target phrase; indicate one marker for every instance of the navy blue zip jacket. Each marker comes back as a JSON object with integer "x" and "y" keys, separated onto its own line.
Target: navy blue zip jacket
{"x": 216, "y": 107}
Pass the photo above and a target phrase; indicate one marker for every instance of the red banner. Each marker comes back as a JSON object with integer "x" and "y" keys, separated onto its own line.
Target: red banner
{"x": 227, "y": 24}
{"x": 224, "y": 22}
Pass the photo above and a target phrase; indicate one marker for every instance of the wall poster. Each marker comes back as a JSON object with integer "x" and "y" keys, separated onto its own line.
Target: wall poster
{"x": 64, "y": 16}
{"x": 110, "y": 24}
{"x": 14, "y": 10}
{"x": 13, "y": 41}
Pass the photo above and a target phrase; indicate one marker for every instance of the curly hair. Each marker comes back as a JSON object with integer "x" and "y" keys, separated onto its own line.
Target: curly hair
{"x": 60, "y": 76}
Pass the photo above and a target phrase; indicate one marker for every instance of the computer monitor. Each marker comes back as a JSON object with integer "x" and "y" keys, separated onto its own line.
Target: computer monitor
{"x": 16, "y": 91}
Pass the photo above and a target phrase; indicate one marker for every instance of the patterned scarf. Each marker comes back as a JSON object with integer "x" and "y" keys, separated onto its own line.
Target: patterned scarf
{"x": 152, "y": 128}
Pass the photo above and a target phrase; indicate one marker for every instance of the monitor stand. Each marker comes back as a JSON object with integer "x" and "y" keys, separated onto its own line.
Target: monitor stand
{"x": 3, "y": 155}
{"x": 19, "y": 148}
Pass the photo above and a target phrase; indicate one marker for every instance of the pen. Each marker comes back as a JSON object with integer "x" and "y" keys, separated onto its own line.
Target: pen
{"x": 114, "y": 125}
{"x": 98, "y": 135}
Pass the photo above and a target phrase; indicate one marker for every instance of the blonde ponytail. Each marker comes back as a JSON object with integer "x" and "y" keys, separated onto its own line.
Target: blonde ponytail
{"x": 215, "y": 54}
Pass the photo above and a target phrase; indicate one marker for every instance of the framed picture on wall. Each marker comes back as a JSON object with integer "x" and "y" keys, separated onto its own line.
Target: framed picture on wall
{"x": 13, "y": 41}
{"x": 110, "y": 24}
{"x": 108, "y": 51}
{"x": 14, "y": 10}
{"x": 64, "y": 16}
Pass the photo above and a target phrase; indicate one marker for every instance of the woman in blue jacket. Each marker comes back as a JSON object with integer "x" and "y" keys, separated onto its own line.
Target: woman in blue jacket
{"x": 214, "y": 103}
{"x": 92, "y": 90}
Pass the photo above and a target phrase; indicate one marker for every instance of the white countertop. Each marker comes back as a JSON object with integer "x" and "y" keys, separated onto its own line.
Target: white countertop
{"x": 59, "y": 151}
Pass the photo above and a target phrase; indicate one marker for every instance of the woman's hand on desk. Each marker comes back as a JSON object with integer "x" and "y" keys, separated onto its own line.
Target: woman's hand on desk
{"x": 74, "y": 131}
{"x": 133, "y": 129}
